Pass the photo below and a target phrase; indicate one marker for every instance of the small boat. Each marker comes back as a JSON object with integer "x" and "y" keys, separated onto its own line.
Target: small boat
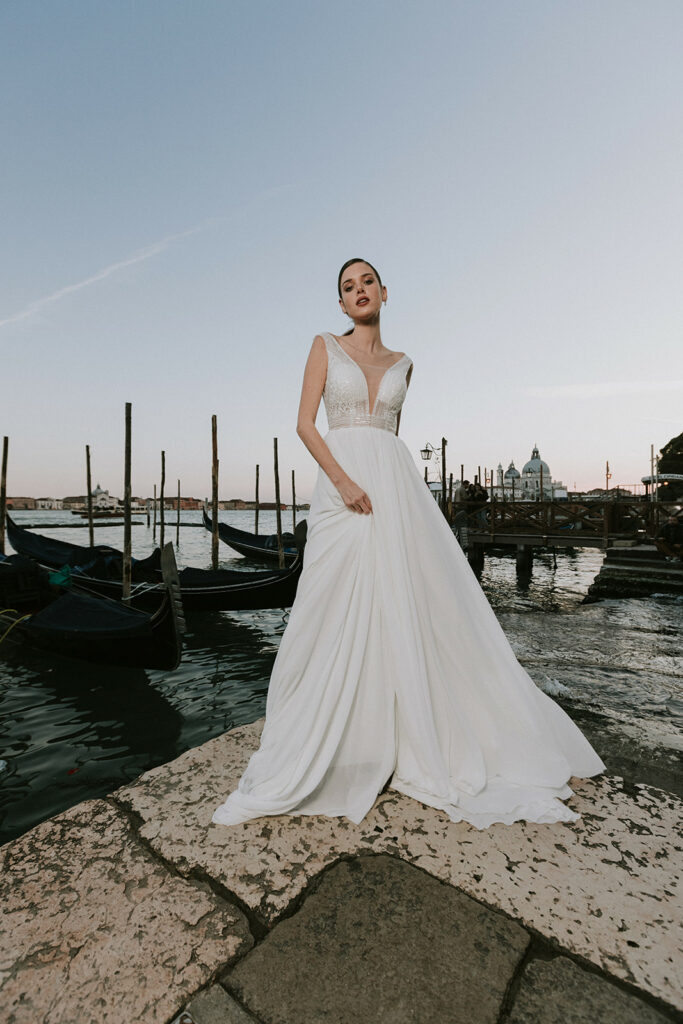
{"x": 262, "y": 548}
{"x": 78, "y": 624}
{"x": 99, "y": 568}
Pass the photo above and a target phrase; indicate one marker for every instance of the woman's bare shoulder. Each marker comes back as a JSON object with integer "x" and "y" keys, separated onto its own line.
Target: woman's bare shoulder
{"x": 317, "y": 356}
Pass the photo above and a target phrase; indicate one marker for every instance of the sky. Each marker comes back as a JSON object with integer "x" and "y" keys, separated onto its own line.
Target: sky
{"x": 181, "y": 182}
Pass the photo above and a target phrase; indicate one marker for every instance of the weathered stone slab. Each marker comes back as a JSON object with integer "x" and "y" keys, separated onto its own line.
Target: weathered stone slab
{"x": 378, "y": 941}
{"x": 95, "y": 929}
{"x": 214, "y": 1006}
{"x": 557, "y": 991}
{"x": 605, "y": 887}
{"x": 266, "y": 862}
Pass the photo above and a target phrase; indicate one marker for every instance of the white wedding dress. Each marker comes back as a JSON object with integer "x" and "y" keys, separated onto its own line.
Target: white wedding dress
{"x": 393, "y": 664}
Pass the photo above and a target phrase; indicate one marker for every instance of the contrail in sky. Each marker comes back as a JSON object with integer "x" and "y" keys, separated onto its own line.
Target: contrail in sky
{"x": 143, "y": 254}
{"x": 603, "y": 389}
{"x": 136, "y": 257}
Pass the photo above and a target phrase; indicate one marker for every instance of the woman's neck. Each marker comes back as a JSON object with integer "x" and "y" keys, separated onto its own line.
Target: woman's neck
{"x": 366, "y": 338}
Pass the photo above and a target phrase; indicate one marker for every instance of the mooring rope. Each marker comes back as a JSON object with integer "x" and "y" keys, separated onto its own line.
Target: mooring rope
{"x": 16, "y": 622}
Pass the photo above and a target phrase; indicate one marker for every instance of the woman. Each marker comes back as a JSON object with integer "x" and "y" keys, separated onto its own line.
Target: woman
{"x": 393, "y": 668}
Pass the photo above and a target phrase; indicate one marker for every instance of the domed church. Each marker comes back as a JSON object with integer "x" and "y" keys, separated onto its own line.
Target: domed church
{"x": 527, "y": 485}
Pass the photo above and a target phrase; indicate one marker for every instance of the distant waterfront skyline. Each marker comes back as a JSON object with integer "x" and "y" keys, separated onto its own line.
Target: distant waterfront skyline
{"x": 182, "y": 183}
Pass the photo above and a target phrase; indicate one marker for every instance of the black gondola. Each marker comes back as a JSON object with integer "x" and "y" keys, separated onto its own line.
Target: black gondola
{"x": 80, "y": 625}
{"x": 262, "y": 548}
{"x": 99, "y": 568}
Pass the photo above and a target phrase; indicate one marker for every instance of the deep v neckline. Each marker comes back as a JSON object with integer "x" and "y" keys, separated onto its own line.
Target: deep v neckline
{"x": 367, "y": 385}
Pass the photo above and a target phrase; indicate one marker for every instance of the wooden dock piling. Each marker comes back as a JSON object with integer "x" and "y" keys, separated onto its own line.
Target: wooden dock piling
{"x": 88, "y": 478}
{"x": 280, "y": 547}
{"x": 256, "y": 503}
{"x": 127, "y": 552}
{"x": 177, "y": 522}
{"x": 214, "y": 492}
{"x": 3, "y": 493}
{"x": 293, "y": 503}
{"x": 162, "y": 518}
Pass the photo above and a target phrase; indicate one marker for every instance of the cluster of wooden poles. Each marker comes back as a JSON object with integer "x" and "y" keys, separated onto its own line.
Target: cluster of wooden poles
{"x": 127, "y": 500}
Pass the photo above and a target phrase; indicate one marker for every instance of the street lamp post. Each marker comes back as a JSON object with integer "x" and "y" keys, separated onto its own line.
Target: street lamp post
{"x": 426, "y": 454}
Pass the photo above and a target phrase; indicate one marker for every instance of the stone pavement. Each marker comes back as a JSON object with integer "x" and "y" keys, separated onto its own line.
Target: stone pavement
{"x": 137, "y": 908}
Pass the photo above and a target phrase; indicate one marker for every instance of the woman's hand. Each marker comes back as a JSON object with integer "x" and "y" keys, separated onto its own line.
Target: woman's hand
{"x": 354, "y": 497}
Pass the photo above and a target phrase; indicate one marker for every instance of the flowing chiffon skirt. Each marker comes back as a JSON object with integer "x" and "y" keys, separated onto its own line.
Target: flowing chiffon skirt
{"x": 394, "y": 666}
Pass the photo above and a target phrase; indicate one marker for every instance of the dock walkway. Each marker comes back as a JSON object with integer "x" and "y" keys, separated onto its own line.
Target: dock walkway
{"x": 136, "y": 908}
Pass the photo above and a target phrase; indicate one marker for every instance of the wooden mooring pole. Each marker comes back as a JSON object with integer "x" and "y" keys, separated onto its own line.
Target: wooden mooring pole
{"x": 162, "y": 520}
{"x": 177, "y": 521}
{"x": 293, "y": 503}
{"x": 127, "y": 553}
{"x": 154, "y": 526}
{"x": 3, "y": 493}
{"x": 443, "y": 476}
{"x": 214, "y": 493}
{"x": 256, "y": 504}
{"x": 88, "y": 478}
{"x": 280, "y": 548}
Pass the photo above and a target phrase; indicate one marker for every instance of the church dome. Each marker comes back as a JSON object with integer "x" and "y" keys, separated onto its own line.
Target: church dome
{"x": 534, "y": 464}
{"x": 512, "y": 471}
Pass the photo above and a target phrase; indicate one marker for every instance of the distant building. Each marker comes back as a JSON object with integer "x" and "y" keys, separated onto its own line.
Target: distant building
{"x": 240, "y": 503}
{"x": 49, "y": 503}
{"x": 103, "y": 500}
{"x": 232, "y": 503}
{"x": 533, "y": 482}
{"x": 18, "y": 503}
{"x": 172, "y": 503}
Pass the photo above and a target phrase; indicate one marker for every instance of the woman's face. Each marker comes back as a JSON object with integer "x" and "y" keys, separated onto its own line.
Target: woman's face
{"x": 361, "y": 293}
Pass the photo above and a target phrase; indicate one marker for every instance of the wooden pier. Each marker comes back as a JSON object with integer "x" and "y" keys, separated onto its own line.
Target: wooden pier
{"x": 624, "y": 529}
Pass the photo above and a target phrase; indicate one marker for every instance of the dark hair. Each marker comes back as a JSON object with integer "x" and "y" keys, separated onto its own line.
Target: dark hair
{"x": 357, "y": 259}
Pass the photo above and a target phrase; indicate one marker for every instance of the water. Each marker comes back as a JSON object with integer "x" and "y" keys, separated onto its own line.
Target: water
{"x": 70, "y": 731}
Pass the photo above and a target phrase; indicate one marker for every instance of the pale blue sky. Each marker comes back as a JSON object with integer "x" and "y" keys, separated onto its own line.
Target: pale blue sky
{"x": 182, "y": 181}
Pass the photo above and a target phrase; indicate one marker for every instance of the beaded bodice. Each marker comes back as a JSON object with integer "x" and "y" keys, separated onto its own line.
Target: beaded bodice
{"x": 358, "y": 394}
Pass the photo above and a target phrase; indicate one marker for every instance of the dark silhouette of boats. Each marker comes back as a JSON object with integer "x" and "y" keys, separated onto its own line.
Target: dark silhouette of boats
{"x": 260, "y": 547}
{"x": 72, "y": 622}
{"x": 99, "y": 568}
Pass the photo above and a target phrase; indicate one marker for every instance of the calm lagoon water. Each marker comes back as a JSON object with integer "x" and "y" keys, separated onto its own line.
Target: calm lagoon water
{"x": 70, "y": 731}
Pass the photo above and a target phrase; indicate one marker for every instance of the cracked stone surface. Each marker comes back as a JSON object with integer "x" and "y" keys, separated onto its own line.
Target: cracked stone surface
{"x": 379, "y": 940}
{"x": 605, "y": 887}
{"x": 558, "y": 991}
{"x": 215, "y": 1006}
{"x": 96, "y": 929}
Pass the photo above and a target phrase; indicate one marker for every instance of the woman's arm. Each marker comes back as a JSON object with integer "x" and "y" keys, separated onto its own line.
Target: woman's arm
{"x": 408, "y": 376}
{"x": 315, "y": 375}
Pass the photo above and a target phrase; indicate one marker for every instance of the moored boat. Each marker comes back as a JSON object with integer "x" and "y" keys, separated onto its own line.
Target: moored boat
{"x": 99, "y": 568}
{"x": 79, "y": 624}
{"x": 260, "y": 547}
